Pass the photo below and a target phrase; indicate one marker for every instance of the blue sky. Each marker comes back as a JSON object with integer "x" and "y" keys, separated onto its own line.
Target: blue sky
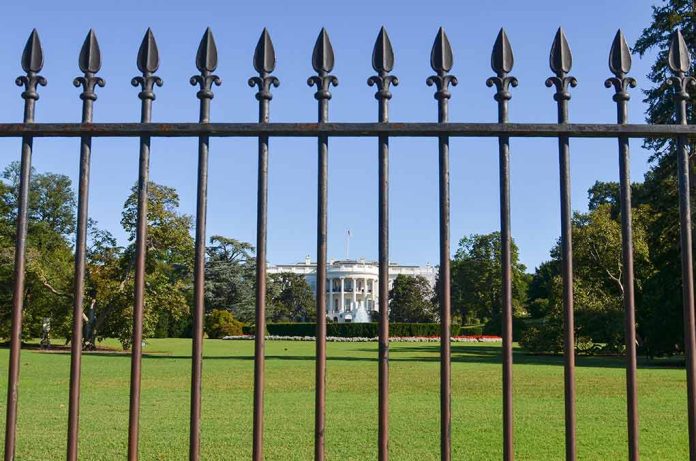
{"x": 471, "y": 26}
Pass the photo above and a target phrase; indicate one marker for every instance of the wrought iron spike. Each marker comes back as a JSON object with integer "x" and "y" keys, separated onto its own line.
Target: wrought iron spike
{"x": 382, "y": 53}
{"x": 619, "y": 56}
{"x": 90, "y": 63}
{"x": 560, "y": 59}
{"x": 323, "y": 63}
{"x": 264, "y": 54}
{"x": 206, "y": 57}
{"x": 441, "y": 58}
{"x": 679, "y": 57}
{"x": 502, "y": 58}
{"x": 32, "y": 57}
{"x": 323, "y": 54}
{"x": 148, "y": 55}
{"x": 90, "y": 55}
{"x": 206, "y": 62}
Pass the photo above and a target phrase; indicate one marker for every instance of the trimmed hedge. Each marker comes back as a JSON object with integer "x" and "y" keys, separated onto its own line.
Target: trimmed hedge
{"x": 365, "y": 330}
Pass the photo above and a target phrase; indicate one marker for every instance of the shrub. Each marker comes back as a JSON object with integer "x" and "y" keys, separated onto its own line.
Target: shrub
{"x": 540, "y": 339}
{"x": 220, "y": 323}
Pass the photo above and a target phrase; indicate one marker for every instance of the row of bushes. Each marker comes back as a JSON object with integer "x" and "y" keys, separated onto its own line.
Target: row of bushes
{"x": 220, "y": 323}
{"x": 365, "y": 330}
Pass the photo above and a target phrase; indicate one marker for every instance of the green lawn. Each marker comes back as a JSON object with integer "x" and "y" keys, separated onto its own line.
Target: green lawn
{"x": 351, "y": 401}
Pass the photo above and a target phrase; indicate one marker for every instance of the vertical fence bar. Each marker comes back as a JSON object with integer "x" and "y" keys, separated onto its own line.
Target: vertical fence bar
{"x": 679, "y": 60}
{"x": 32, "y": 63}
{"x": 501, "y": 62}
{"x": 441, "y": 60}
{"x": 264, "y": 63}
{"x": 322, "y": 62}
{"x": 561, "y": 63}
{"x": 148, "y": 63}
{"x": 90, "y": 63}
{"x": 206, "y": 62}
{"x": 620, "y": 65}
{"x": 383, "y": 63}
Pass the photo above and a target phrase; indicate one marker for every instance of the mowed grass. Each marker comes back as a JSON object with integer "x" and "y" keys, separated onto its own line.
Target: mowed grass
{"x": 351, "y": 404}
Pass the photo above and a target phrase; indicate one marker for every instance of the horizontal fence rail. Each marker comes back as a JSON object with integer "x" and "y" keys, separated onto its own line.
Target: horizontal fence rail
{"x": 345, "y": 130}
{"x": 264, "y": 62}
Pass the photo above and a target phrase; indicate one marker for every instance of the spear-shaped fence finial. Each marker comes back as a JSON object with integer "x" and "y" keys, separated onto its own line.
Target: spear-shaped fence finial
{"x": 561, "y": 61}
{"x": 679, "y": 60}
{"x": 502, "y": 61}
{"x": 90, "y": 63}
{"x": 264, "y": 63}
{"x": 323, "y": 64}
{"x": 620, "y": 65}
{"x": 206, "y": 62}
{"x": 383, "y": 63}
{"x": 441, "y": 61}
{"x": 32, "y": 63}
{"x": 148, "y": 63}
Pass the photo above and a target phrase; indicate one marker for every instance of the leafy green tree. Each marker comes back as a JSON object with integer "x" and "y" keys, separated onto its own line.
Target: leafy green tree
{"x": 411, "y": 300}
{"x": 597, "y": 280}
{"x": 169, "y": 269}
{"x": 289, "y": 299}
{"x": 660, "y": 315}
{"x": 49, "y": 260}
{"x": 540, "y": 290}
{"x": 229, "y": 277}
{"x": 477, "y": 279}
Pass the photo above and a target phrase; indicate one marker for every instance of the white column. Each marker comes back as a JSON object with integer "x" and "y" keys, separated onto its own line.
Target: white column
{"x": 343, "y": 299}
{"x": 375, "y": 284}
{"x": 329, "y": 305}
{"x": 355, "y": 294}
{"x": 365, "y": 294}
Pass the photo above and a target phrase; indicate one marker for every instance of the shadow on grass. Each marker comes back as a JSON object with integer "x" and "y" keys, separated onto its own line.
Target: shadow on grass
{"x": 482, "y": 354}
{"x": 426, "y": 353}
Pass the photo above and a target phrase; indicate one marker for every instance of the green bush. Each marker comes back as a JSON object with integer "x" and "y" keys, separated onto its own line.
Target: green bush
{"x": 539, "y": 339}
{"x": 220, "y": 323}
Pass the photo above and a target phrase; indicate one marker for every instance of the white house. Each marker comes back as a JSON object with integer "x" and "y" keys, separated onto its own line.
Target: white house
{"x": 352, "y": 285}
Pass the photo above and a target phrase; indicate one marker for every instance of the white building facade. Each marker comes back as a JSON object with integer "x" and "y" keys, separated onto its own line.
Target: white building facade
{"x": 352, "y": 292}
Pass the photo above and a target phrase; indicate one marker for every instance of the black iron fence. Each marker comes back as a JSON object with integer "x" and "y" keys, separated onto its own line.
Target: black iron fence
{"x": 323, "y": 62}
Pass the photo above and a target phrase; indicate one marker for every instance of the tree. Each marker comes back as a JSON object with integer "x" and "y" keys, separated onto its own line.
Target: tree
{"x": 597, "y": 279}
{"x": 230, "y": 277}
{"x": 477, "y": 279}
{"x": 49, "y": 257}
{"x": 169, "y": 270}
{"x": 289, "y": 298}
{"x": 660, "y": 316}
{"x": 541, "y": 287}
{"x": 411, "y": 300}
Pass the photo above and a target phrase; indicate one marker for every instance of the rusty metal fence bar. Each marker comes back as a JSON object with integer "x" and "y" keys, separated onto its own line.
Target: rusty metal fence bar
{"x": 561, "y": 61}
{"x": 501, "y": 62}
{"x": 323, "y": 63}
{"x": 620, "y": 65}
{"x": 441, "y": 61}
{"x": 383, "y": 63}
